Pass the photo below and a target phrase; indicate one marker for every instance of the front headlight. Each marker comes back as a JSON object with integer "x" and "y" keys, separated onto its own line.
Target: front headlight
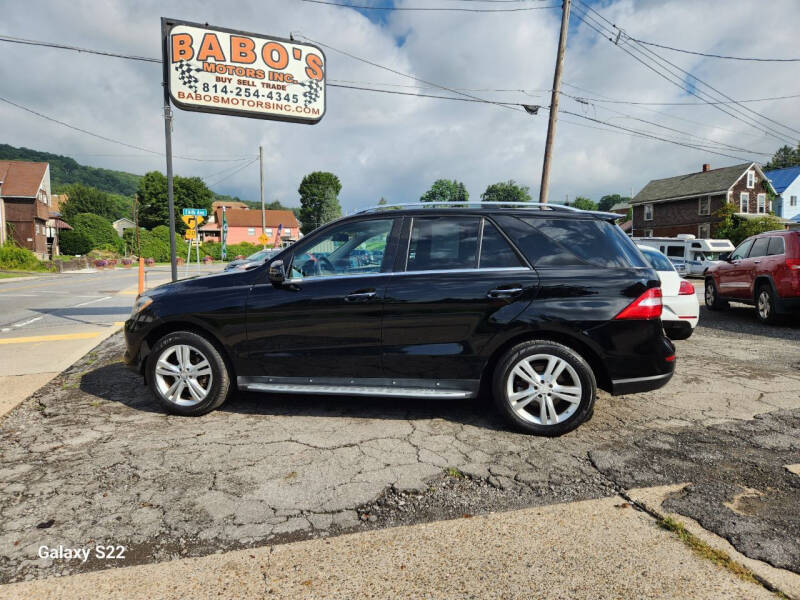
{"x": 141, "y": 303}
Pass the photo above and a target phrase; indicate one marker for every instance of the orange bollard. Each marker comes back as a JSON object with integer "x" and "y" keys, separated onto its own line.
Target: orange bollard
{"x": 141, "y": 274}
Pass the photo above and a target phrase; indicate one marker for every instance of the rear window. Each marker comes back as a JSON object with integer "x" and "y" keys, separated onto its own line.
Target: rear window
{"x": 657, "y": 260}
{"x": 759, "y": 247}
{"x": 776, "y": 246}
{"x": 495, "y": 251}
{"x": 556, "y": 242}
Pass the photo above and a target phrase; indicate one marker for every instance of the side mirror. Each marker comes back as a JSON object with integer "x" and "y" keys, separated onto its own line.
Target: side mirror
{"x": 726, "y": 256}
{"x": 277, "y": 273}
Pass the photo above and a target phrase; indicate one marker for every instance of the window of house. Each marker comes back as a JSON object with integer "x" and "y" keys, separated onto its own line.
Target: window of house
{"x": 704, "y": 230}
{"x": 762, "y": 203}
{"x": 793, "y": 201}
{"x": 751, "y": 180}
{"x": 648, "y": 233}
{"x": 704, "y": 206}
{"x": 648, "y": 212}
{"x": 37, "y": 229}
{"x": 744, "y": 202}
{"x": 776, "y": 246}
{"x": 251, "y": 231}
{"x": 269, "y": 231}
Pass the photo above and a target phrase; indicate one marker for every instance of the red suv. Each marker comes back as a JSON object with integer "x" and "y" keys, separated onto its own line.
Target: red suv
{"x": 764, "y": 271}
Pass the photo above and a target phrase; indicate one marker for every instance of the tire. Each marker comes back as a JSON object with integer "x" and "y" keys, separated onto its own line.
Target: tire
{"x": 514, "y": 374}
{"x": 765, "y": 304}
{"x": 200, "y": 392}
{"x": 713, "y": 301}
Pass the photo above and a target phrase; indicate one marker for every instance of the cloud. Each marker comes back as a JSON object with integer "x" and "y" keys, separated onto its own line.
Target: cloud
{"x": 396, "y": 146}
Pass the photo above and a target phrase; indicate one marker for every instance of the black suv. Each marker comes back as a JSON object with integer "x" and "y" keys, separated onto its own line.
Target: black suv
{"x": 536, "y": 305}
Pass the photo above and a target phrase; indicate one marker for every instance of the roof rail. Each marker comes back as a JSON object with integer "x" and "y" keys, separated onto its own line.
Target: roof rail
{"x": 457, "y": 204}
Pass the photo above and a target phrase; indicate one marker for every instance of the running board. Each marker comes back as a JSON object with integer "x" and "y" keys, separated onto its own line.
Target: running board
{"x": 354, "y": 389}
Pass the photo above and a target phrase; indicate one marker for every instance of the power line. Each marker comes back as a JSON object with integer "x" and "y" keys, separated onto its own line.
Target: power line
{"x": 232, "y": 173}
{"x": 746, "y": 58}
{"x": 589, "y": 21}
{"x": 16, "y": 40}
{"x": 369, "y": 89}
{"x": 414, "y": 77}
{"x": 112, "y": 140}
{"x": 431, "y": 8}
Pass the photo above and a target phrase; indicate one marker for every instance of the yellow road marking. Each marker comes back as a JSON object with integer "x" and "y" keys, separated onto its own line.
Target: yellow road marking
{"x": 49, "y": 338}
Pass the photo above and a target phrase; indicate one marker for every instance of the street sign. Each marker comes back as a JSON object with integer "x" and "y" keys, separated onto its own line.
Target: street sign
{"x": 191, "y": 221}
{"x": 263, "y": 239}
{"x": 198, "y": 212}
{"x": 190, "y": 234}
{"x": 225, "y": 71}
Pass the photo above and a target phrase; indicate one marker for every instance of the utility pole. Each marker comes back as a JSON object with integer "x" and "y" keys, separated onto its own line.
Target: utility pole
{"x": 263, "y": 212}
{"x": 551, "y": 125}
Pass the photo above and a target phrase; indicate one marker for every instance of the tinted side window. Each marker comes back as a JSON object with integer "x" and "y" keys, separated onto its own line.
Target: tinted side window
{"x": 776, "y": 246}
{"x": 676, "y": 251}
{"x": 658, "y": 261}
{"x": 540, "y": 250}
{"x": 759, "y": 247}
{"x": 593, "y": 241}
{"x": 495, "y": 251}
{"x": 443, "y": 243}
{"x": 742, "y": 250}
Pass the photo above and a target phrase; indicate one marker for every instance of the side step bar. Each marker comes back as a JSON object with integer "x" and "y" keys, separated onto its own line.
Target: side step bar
{"x": 356, "y": 390}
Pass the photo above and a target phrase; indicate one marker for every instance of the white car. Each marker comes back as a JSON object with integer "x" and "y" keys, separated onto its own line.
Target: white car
{"x": 681, "y": 306}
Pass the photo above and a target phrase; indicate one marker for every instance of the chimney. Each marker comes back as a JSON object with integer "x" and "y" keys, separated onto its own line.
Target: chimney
{"x": 706, "y": 167}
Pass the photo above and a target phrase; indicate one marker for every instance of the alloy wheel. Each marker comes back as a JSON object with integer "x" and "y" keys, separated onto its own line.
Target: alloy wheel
{"x": 709, "y": 294}
{"x": 183, "y": 375}
{"x": 764, "y": 305}
{"x": 544, "y": 389}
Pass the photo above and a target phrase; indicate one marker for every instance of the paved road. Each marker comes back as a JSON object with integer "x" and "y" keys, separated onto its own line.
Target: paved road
{"x": 49, "y": 322}
{"x": 92, "y": 457}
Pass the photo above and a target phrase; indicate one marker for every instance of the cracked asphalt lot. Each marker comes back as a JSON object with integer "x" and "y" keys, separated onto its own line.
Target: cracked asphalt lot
{"x": 91, "y": 459}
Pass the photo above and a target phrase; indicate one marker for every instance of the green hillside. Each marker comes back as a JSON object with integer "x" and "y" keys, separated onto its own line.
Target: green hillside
{"x": 65, "y": 170}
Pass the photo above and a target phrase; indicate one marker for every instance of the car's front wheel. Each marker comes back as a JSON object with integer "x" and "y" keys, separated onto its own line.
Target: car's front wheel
{"x": 544, "y": 387}
{"x": 713, "y": 301}
{"x": 187, "y": 374}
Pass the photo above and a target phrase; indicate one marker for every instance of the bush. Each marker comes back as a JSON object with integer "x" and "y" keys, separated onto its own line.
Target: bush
{"x": 99, "y": 230}
{"x": 74, "y": 242}
{"x": 214, "y": 249}
{"x": 14, "y": 257}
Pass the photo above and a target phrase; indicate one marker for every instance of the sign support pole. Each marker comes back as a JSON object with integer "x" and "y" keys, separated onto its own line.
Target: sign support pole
{"x": 263, "y": 212}
{"x": 168, "y": 140}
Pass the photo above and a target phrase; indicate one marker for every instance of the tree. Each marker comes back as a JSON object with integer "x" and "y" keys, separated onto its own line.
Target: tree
{"x": 87, "y": 199}
{"x": 382, "y": 201}
{"x": 446, "y": 190}
{"x": 74, "y": 242}
{"x": 506, "y": 191}
{"x": 190, "y": 192}
{"x": 737, "y": 228}
{"x": 583, "y": 203}
{"x": 606, "y": 202}
{"x": 98, "y": 230}
{"x": 784, "y": 157}
{"x": 319, "y": 200}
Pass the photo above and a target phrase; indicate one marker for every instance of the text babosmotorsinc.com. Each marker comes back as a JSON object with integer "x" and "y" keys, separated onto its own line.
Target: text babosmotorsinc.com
{"x": 248, "y": 103}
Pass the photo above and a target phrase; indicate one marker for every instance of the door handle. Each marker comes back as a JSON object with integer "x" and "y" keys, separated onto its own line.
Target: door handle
{"x": 506, "y": 292}
{"x": 360, "y": 296}
{"x": 755, "y": 262}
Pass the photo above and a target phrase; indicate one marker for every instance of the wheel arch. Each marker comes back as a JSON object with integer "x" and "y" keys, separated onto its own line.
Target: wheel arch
{"x": 172, "y": 326}
{"x": 759, "y": 281}
{"x": 590, "y": 355}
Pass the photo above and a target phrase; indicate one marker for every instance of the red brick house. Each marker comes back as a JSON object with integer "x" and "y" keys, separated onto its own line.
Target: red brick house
{"x": 25, "y": 204}
{"x": 687, "y": 203}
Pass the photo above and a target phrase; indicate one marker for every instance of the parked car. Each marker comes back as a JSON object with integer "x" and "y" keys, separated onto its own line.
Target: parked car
{"x": 253, "y": 259}
{"x": 763, "y": 271}
{"x": 689, "y": 255}
{"x": 681, "y": 306}
{"x": 537, "y": 306}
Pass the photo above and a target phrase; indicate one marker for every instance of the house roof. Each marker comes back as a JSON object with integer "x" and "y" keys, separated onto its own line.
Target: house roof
{"x": 620, "y": 206}
{"x": 691, "y": 184}
{"x": 125, "y": 221}
{"x": 782, "y": 178}
{"x": 231, "y": 204}
{"x": 19, "y": 179}
{"x": 238, "y": 217}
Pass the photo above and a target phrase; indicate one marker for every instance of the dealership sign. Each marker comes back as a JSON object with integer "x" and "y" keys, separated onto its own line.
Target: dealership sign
{"x": 223, "y": 71}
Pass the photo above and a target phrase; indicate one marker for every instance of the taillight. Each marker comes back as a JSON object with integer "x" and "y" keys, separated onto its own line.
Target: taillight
{"x": 686, "y": 289}
{"x": 646, "y": 306}
{"x": 793, "y": 263}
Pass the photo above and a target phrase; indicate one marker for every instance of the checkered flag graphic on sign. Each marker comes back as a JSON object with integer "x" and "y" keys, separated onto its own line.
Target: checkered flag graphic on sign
{"x": 311, "y": 94}
{"x": 184, "y": 70}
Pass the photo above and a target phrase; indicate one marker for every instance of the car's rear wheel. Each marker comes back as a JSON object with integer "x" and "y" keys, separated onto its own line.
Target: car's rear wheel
{"x": 543, "y": 387}
{"x": 765, "y": 304}
{"x": 187, "y": 374}
{"x": 713, "y": 301}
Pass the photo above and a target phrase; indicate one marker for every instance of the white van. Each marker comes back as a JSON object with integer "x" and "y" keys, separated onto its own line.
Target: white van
{"x": 691, "y": 256}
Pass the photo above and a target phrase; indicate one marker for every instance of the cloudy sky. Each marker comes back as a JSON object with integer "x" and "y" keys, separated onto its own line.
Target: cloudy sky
{"x": 395, "y": 146}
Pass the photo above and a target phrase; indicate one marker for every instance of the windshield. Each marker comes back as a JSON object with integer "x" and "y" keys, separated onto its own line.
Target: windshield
{"x": 657, "y": 260}
{"x": 260, "y": 255}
